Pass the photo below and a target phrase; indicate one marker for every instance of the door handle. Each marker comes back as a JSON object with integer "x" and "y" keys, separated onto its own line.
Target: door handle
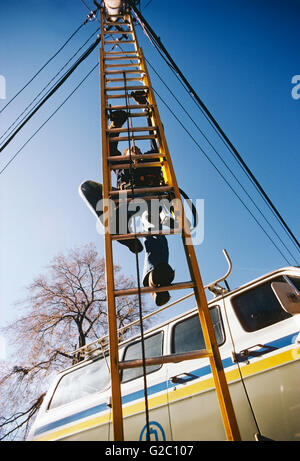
{"x": 183, "y": 378}
{"x": 245, "y": 354}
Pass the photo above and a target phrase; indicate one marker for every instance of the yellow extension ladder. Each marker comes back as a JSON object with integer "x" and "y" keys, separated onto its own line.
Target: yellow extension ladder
{"x": 123, "y": 69}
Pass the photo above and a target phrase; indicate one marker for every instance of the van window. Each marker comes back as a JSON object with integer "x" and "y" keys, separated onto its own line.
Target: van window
{"x": 83, "y": 381}
{"x": 258, "y": 307}
{"x": 188, "y": 336}
{"x": 153, "y": 348}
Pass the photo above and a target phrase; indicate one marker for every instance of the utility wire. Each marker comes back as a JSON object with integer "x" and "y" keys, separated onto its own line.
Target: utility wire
{"x": 45, "y": 87}
{"x": 195, "y": 97}
{"x": 49, "y": 118}
{"x": 83, "y": 2}
{"x": 222, "y": 176}
{"x": 52, "y": 91}
{"x": 147, "y": 4}
{"x": 92, "y": 12}
{"x": 43, "y": 67}
{"x": 222, "y": 160}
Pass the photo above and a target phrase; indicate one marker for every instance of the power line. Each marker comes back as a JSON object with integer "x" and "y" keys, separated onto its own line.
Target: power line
{"x": 62, "y": 81}
{"x": 49, "y": 118}
{"x": 52, "y": 91}
{"x": 83, "y": 2}
{"x": 148, "y": 3}
{"x": 222, "y": 160}
{"x": 46, "y": 86}
{"x": 43, "y": 67}
{"x": 195, "y": 97}
{"x": 222, "y": 176}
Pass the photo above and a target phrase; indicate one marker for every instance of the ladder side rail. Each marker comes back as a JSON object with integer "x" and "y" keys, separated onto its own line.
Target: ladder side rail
{"x": 225, "y": 402}
{"x": 116, "y": 398}
{"x": 212, "y": 349}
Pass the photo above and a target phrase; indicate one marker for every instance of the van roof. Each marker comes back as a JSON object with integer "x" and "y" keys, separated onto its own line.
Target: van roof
{"x": 190, "y": 311}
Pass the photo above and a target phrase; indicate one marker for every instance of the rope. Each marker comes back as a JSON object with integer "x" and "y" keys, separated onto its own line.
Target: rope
{"x": 222, "y": 176}
{"x": 219, "y": 172}
{"x": 209, "y": 116}
{"x": 137, "y": 268}
{"x": 222, "y": 160}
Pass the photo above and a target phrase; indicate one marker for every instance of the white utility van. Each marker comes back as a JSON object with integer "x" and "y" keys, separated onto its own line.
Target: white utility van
{"x": 257, "y": 328}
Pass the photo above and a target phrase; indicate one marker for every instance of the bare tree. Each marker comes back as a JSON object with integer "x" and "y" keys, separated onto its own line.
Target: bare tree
{"x": 65, "y": 309}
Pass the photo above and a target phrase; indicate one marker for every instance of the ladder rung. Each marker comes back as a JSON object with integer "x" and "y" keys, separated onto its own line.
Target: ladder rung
{"x": 118, "y": 158}
{"x": 126, "y": 166}
{"x": 120, "y": 88}
{"x": 116, "y": 96}
{"x": 114, "y": 42}
{"x": 132, "y": 130}
{"x": 140, "y": 190}
{"x": 113, "y": 53}
{"x": 145, "y": 234}
{"x": 133, "y": 138}
{"x": 135, "y": 106}
{"x": 123, "y": 64}
{"x": 142, "y": 114}
{"x": 147, "y": 197}
{"x": 129, "y": 79}
{"x": 172, "y": 358}
{"x": 116, "y": 58}
{"x": 135, "y": 291}
{"x": 106, "y": 32}
{"x": 128, "y": 71}
{"x": 116, "y": 24}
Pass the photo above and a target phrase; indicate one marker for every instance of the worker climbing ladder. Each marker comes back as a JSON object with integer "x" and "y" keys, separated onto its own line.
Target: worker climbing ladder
{"x": 122, "y": 71}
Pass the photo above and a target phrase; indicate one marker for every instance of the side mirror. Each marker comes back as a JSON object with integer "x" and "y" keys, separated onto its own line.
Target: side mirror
{"x": 287, "y": 295}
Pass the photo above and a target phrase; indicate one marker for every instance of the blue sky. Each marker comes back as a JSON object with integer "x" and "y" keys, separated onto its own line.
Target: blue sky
{"x": 240, "y": 57}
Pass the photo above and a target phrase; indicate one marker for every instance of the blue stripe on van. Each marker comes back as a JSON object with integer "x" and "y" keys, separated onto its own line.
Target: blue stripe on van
{"x": 195, "y": 374}
{"x": 70, "y": 419}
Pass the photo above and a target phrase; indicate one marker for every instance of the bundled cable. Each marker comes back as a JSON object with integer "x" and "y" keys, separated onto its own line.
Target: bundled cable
{"x": 49, "y": 60}
{"x": 52, "y": 91}
{"x": 155, "y": 40}
{"x": 49, "y": 118}
{"x": 6, "y": 134}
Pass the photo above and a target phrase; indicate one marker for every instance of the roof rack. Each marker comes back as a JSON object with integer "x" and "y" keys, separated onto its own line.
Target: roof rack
{"x": 101, "y": 346}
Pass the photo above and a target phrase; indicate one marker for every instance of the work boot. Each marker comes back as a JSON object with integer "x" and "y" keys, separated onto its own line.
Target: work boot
{"x": 134, "y": 245}
{"x": 140, "y": 96}
{"x": 161, "y": 275}
{"x": 91, "y": 193}
{"x": 118, "y": 118}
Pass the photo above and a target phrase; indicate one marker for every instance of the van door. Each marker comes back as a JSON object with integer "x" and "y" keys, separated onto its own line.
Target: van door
{"x": 132, "y": 388}
{"x": 267, "y": 353}
{"x": 194, "y": 407}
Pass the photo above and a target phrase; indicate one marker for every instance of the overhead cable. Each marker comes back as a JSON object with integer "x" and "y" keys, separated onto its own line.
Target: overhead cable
{"x": 196, "y": 98}
{"x": 221, "y": 159}
{"x": 217, "y": 169}
{"x": 49, "y": 60}
{"x": 222, "y": 176}
{"x": 46, "y": 121}
{"x": 45, "y": 87}
{"x": 54, "y": 89}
